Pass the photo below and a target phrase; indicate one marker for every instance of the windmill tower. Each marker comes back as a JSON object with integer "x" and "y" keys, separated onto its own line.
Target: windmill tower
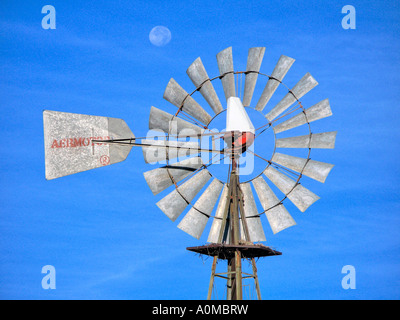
{"x": 75, "y": 143}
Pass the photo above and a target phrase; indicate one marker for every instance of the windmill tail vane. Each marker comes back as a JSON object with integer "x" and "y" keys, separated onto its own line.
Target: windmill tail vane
{"x": 76, "y": 143}
{"x": 69, "y": 147}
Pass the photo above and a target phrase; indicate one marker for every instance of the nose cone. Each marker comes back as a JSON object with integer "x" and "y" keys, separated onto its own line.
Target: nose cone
{"x": 239, "y": 129}
{"x": 237, "y": 118}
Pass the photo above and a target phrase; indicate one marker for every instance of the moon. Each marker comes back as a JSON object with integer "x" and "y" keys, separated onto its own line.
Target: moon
{"x": 160, "y": 36}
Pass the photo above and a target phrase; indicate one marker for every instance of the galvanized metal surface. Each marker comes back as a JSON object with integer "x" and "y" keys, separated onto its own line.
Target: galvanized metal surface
{"x": 301, "y": 197}
{"x": 175, "y": 94}
{"x": 314, "y": 169}
{"x": 198, "y": 74}
{"x": 117, "y": 128}
{"x": 254, "y": 60}
{"x": 159, "y": 179}
{"x": 219, "y": 213}
{"x": 158, "y": 150}
{"x": 196, "y": 219}
{"x": 318, "y": 111}
{"x": 299, "y": 90}
{"x": 280, "y": 70}
{"x": 175, "y": 202}
{"x": 325, "y": 140}
{"x": 277, "y": 215}
{"x": 68, "y": 146}
{"x": 254, "y": 226}
{"x": 225, "y": 65}
{"x": 163, "y": 121}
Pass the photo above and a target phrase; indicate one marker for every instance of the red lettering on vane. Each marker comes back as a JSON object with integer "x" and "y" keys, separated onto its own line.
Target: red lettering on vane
{"x": 77, "y": 142}
{"x": 55, "y": 144}
{"x": 105, "y": 160}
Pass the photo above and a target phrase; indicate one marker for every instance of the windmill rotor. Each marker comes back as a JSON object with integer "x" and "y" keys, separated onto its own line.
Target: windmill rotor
{"x": 75, "y": 143}
{"x": 291, "y": 189}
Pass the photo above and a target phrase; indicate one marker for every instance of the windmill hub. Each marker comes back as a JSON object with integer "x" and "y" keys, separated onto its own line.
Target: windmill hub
{"x": 239, "y": 128}
{"x": 237, "y": 142}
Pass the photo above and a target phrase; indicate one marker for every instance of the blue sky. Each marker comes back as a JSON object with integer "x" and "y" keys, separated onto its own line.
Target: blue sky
{"x": 101, "y": 229}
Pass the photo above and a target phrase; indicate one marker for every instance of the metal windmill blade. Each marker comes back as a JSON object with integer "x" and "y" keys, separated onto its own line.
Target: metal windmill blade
{"x": 213, "y": 236}
{"x": 254, "y": 60}
{"x": 166, "y": 122}
{"x": 175, "y": 94}
{"x": 225, "y": 65}
{"x": 314, "y": 169}
{"x": 325, "y": 140}
{"x": 281, "y": 68}
{"x": 255, "y": 229}
{"x": 278, "y": 217}
{"x": 176, "y": 202}
{"x": 196, "y": 219}
{"x": 301, "y": 197}
{"x": 316, "y": 112}
{"x": 198, "y": 74}
{"x": 299, "y": 90}
{"x": 160, "y": 179}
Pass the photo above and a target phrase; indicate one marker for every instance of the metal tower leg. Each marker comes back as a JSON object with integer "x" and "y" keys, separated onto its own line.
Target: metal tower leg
{"x": 238, "y": 276}
{"x": 229, "y": 282}
{"x": 210, "y": 287}
{"x": 253, "y": 263}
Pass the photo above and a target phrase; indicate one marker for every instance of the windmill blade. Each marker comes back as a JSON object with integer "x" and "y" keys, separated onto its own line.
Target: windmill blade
{"x": 280, "y": 70}
{"x": 318, "y": 111}
{"x": 175, "y": 94}
{"x": 160, "y": 150}
{"x": 299, "y": 90}
{"x": 301, "y": 197}
{"x": 254, "y": 60}
{"x": 160, "y": 179}
{"x": 68, "y": 142}
{"x": 198, "y": 74}
{"x": 165, "y": 122}
{"x": 217, "y": 222}
{"x": 278, "y": 217}
{"x": 314, "y": 169}
{"x": 325, "y": 140}
{"x": 175, "y": 203}
{"x": 225, "y": 65}
{"x": 253, "y": 221}
{"x": 196, "y": 219}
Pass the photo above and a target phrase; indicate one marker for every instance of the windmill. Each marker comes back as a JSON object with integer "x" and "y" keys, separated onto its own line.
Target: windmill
{"x": 75, "y": 143}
